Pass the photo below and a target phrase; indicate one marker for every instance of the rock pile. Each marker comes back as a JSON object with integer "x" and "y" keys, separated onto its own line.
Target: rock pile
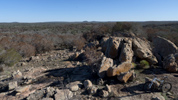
{"x": 170, "y": 63}
{"x": 119, "y": 53}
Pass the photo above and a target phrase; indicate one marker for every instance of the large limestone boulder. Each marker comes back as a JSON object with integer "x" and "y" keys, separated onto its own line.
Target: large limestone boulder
{"x": 106, "y": 63}
{"x": 143, "y": 50}
{"x": 125, "y": 76}
{"x": 111, "y": 47}
{"x": 122, "y": 68}
{"x": 170, "y": 63}
{"x": 164, "y": 47}
{"x": 103, "y": 43}
{"x": 126, "y": 52}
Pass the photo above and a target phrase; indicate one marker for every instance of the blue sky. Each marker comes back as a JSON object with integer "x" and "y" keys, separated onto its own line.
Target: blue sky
{"x": 88, "y": 10}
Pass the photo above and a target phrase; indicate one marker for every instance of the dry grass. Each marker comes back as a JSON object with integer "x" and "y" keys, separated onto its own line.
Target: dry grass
{"x": 93, "y": 58}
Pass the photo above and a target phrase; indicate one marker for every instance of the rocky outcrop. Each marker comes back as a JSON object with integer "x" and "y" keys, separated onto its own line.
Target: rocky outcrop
{"x": 106, "y": 63}
{"x": 164, "y": 47}
{"x": 111, "y": 47}
{"x": 170, "y": 63}
{"x": 122, "y": 68}
{"x": 143, "y": 50}
{"x": 103, "y": 43}
{"x": 124, "y": 48}
{"x": 126, "y": 52}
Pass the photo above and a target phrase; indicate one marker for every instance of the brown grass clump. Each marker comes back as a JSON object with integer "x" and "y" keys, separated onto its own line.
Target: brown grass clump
{"x": 93, "y": 58}
{"x": 24, "y": 49}
{"x": 79, "y": 43}
{"x": 6, "y": 43}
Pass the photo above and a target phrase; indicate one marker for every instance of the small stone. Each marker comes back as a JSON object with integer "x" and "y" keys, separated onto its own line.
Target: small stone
{"x": 104, "y": 93}
{"x": 74, "y": 88}
{"x": 125, "y": 76}
{"x": 23, "y": 89}
{"x": 92, "y": 90}
{"x": 17, "y": 74}
{"x": 64, "y": 94}
{"x": 87, "y": 84}
{"x": 12, "y": 85}
{"x": 23, "y": 64}
{"x": 50, "y": 91}
{"x": 100, "y": 81}
{"x": 47, "y": 99}
{"x": 108, "y": 88}
{"x": 158, "y": 98}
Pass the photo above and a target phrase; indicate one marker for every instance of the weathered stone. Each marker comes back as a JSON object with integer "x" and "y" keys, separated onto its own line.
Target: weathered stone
{"x": 170, "y": 63}
{"x": 143, "y": 50}
{"x": 125, "y": 76}
{"x": 103, "y": 43}
{"x": 132, "y": 77}
{"x": 87, "y": 84}
{"x": 104, "y": 93}
{"x": 37, "y": 95}
{"x": 112, "y": 47}
{"x": 50, "y": 91}
{"x": 22, "y": 89}
{"x": 16, "y": 74}
{"x": 34, "y": 58}
{"x": 122, "y": 68}
{"x": 23, "y": 64}
{"x": 126, "y": 52}
{"x": 105, "y": 65}
{"x": 74, "y": 88}
{"x": 64, "y": 94}
{"x": 75, "y": 56}
{"x": 164, "y": 47}
{"x": 92, "y": 90}
{"x": 78, "y": 83}
{"x": 100, "y": 81}
{"x": 108, "y": 88}
{"x": 47, "y": 99}
{"x": 12, "y": 85}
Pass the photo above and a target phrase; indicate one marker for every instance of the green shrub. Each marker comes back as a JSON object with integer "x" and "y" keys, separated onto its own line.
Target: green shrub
{"x": 134, "y": 64}
{"x": 10, "y": 57}
{"x": 144, "y": 64}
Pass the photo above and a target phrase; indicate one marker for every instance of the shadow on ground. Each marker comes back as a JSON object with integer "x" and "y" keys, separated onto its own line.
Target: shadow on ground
{"x": 62, "y": 76}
